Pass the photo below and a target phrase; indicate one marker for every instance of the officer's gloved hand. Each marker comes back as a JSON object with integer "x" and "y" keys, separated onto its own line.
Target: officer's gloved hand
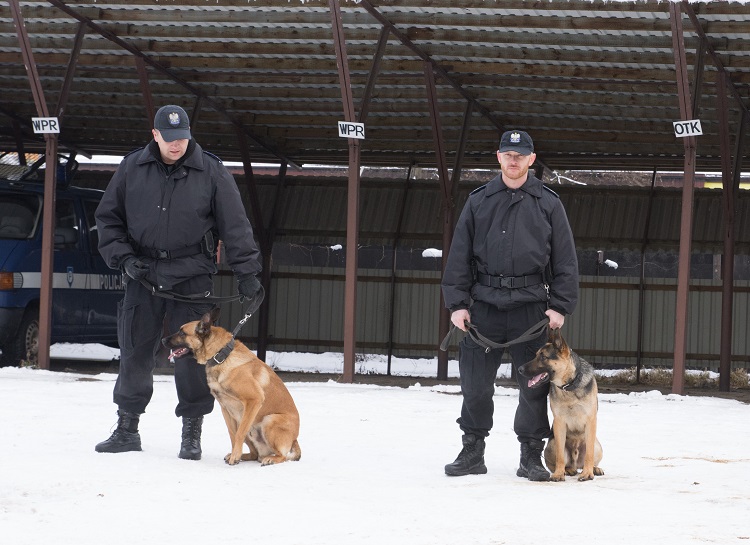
{"x": 249, "y": 287}
{"x": 135, "y": 268}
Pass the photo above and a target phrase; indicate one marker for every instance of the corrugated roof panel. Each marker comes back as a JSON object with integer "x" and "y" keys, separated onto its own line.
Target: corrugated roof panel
{"x": 594, "y": 82}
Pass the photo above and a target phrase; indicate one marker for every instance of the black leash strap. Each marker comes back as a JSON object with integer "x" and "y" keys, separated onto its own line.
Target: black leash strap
{"x": 532, "y": 333}
{"x": 191, "y": 297}
{"x": 223, "y": 354}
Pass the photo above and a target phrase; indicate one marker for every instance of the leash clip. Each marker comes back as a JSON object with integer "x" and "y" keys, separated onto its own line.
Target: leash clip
{"x": 245, "y": 319}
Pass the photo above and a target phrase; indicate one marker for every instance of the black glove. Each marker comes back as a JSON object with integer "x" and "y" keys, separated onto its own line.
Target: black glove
{"x": 135, "y": 268}
{"x": 249, "y": 286}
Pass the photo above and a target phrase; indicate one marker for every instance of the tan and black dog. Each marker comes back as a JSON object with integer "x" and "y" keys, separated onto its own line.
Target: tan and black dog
{"x": 574, "y": 403}
{"x": 258, "y": 409}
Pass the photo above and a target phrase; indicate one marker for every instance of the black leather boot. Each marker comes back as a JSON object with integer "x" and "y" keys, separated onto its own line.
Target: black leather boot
{"x": 190, "y": 449}
{"x": 470, "y": 460}
{"x": 531, "y": 461}
{"x": 125, "y": 438}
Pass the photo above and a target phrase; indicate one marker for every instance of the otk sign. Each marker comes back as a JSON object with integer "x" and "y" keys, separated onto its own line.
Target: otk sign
{"x": 687, "y": 128}
{"x": 351, "y": 130}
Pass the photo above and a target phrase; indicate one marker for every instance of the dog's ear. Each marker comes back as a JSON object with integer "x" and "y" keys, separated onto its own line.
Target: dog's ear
{"x": 204, "y": 324}
{"x": 555, "y": 337}
{"x": 215, "y": 312}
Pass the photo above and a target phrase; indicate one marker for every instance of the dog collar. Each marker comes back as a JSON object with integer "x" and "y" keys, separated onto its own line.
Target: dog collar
{"x": 221, "y": 356}
{"x": 573, "y": 383}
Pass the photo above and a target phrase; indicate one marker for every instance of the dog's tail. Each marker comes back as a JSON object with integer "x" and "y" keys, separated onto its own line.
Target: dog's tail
{"x": 294, "y": 453}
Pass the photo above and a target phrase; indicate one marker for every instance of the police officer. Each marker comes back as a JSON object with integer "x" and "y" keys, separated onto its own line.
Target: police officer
{"x": 159, "y": 220}
{"x": 512, "y": 261}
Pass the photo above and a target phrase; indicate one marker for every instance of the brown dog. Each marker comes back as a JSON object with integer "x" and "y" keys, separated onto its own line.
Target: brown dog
{"x": 257, "y": 407}
{"x": 574, "y": 403}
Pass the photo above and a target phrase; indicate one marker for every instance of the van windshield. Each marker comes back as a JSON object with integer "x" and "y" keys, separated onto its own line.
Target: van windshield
{"x": 18, "y": 215}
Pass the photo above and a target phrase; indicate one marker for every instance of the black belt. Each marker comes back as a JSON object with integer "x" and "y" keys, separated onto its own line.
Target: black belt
{"x": 195, "y": 249}
{"x": 509, "y": 281}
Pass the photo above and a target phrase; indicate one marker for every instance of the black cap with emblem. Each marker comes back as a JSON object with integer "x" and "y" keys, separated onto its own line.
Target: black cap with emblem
{"x": 517, "y": 141}
{"x": 173, "y": 123}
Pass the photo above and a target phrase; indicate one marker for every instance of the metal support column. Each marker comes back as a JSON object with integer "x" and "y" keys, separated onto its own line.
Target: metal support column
{"x": 267, "y": 250}
{"x": 352, "y": 212}
{"x": 48, "y": 215}
{"x": 256, "y": 219}
{"x": 642, "y": 280}
{"x": 686, "y": 223}
{"x": 448, "y": 206}
{"x": 730, "y": 187}
{"x": 394, "y": 251}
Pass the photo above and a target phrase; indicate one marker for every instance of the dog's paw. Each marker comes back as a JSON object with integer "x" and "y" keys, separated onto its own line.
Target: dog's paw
{"x": 231, "y": 461}
{"x": 557, "y": 477}
{"x": 271, "y": 460}
{"x": 571, "y": 471}
{"x": 598, "y": 471}
{"x": 586, "y": 477}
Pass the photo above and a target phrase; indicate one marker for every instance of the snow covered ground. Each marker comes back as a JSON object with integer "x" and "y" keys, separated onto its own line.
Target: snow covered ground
{"x": 676, "y": 471}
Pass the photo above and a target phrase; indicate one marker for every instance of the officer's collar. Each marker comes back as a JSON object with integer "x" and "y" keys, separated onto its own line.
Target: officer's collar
{"x": 532, "y": 185}
{"x": 193, "y": 157}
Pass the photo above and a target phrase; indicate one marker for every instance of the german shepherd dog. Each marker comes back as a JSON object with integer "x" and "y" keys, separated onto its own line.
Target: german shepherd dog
{"x": 257, "y": 407}
{"x": 574, "y": 403}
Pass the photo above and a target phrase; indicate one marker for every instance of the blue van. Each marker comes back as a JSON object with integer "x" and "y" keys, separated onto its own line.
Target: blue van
{"x": 85, "y": 290}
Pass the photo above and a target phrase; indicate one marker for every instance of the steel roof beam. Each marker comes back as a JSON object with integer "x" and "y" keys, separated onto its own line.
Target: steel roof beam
{"x": 436, "y": 68}
{"x": 177, "y": 79}
{"x": 714, "y": 56}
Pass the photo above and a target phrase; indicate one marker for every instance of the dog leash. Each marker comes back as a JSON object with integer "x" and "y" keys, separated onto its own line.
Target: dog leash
{"x": 190, "y": 297}
{"x": 221, "y": 356}
{"x": 532, "y": 333}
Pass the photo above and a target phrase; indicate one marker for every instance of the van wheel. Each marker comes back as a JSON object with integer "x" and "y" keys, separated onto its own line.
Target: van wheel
{"x": 24, "y": 349}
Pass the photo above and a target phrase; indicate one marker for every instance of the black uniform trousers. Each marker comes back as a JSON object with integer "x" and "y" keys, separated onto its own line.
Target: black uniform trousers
{"x": 141, "y": 321}
{"x": 478, "y": 371}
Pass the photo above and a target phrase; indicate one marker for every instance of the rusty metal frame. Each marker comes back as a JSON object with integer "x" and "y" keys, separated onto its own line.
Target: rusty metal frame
{"x": 448, "y": 227}
{"x": 172, "y": 75}
{"x": 730, "y": 185}
{"x": 698, "y": 70}
{"x": 728, "y": 206}
{"x": 69, "y": 73}
{"x": 267, "y": 252}
{"x": 642, "y": 279}
{"x": 48, "y": 214}
{"x": 446, "y": 184}
{"x": 688, "y": 10}
{"x": 394, "y": 250}
{"x": 688, "y": 190}
{"x": 148, "y": 99}
{"x": 364, "y": 104}
{"x": 352, "y": 209}
{"x": 437, "y": 69}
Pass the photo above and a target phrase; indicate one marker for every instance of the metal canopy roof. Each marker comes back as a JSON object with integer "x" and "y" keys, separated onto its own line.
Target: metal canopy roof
{"x": 593, "y": 82}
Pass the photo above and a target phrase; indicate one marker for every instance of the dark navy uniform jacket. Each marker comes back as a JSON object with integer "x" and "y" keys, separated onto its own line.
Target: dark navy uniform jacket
{"x": 512, "y": 232}
{"x": 146, "y": 207}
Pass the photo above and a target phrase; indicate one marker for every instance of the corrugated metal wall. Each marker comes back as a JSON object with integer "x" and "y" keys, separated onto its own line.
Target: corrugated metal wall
{"x": 307, "y": 310}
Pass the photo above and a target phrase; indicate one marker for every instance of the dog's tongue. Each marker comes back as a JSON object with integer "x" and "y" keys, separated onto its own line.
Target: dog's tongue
{"x": 174, "y": 354}
{"x": 533, "y": 381}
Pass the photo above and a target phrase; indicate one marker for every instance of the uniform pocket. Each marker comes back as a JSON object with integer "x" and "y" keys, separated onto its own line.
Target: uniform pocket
{"x": 128, "y": 325}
